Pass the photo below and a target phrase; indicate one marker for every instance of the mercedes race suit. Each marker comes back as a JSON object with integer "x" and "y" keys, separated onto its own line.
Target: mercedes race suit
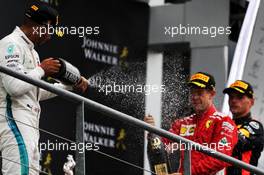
{"x": 19, "y": 105}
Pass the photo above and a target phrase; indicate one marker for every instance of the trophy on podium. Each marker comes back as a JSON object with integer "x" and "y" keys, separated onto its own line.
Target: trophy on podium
{"x": 157, "y": 155}
{"x": 162, "y": 161}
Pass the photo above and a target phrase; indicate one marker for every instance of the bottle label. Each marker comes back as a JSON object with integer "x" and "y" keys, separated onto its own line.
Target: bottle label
{"x": 156, "y": 143}
{"x": 161, "y": 169}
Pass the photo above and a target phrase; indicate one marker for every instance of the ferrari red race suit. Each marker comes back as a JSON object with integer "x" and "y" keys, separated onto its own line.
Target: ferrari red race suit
{"x": 212, "y": 129}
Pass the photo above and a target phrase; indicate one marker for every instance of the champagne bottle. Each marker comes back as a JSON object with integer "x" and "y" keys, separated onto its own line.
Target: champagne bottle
{"x": 68, "y": 74}
{"x": 157, "y": 155}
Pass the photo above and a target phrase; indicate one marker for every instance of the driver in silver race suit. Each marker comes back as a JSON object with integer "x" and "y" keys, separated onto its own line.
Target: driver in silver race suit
{"x": 19, "y": 101}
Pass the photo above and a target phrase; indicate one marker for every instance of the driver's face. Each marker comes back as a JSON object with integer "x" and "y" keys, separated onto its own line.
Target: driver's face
{"x": 201, "y": 99}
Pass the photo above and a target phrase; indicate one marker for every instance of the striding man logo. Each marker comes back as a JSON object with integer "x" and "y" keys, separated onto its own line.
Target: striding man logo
{"x": 120, "y": 141}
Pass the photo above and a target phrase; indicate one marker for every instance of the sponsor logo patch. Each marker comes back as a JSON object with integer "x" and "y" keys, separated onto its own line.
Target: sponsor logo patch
{"x": 200, "y": 77}
{"x": 208, "y": 123}
{"x": 34, "y": 7}
{"x": 187, "y": 130}
{"x": 239, "y": 84}
{"x": 223, "y": 142}
{"x": 228, "y": 126}
{"x": 249, "y": 129}
{"x": 219, "y": 114}
{"x": 254, "y": 125}
{"x": 11, "y": 56}
{"x": 244, "y": 132}
{"x": 12, "y": 64}
{"x": 10, "y": 49}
